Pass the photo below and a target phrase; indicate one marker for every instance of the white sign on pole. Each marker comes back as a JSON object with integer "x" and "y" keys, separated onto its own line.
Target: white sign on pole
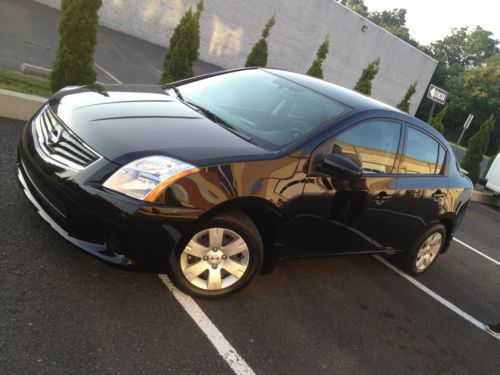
{"x": 437, "y": 94}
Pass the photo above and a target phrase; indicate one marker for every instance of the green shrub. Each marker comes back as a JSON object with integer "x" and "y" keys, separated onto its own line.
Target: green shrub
{"x": 364, "y": 84}
{"x": 258, "y": 55}
{"x": 477, "y": 146}
{"x": 74, "y": 64}
{"x": 437, "y": 121}
{"x": 404, "y": 105}
{"x": 184, "y": 47}
{"x": 316, "y": 69}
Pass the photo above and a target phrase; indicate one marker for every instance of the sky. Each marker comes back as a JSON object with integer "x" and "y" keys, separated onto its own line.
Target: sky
{"x": 430, "y": 20}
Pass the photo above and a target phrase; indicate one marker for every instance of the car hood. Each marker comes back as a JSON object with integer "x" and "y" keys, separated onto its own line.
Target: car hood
{"x": 125, "y": 122}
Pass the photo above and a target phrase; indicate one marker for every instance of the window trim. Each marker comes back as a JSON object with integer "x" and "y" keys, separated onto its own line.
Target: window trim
{"x": 444, "y": 168}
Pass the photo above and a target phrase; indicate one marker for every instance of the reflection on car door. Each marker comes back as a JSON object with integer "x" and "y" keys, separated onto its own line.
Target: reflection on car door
{"x": 423, "y": 186}
{"x": 340, "y": 215}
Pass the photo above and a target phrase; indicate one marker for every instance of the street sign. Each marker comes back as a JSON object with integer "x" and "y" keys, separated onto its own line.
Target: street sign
{"x": 468, "y": 121}
{"x": 466, "y": 126}
{"x": 437, "y": 94}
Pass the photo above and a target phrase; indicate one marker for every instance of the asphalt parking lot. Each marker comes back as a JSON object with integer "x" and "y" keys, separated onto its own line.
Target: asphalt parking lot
{"x": 29, "y": 34}
{"x": 63, "y": 311}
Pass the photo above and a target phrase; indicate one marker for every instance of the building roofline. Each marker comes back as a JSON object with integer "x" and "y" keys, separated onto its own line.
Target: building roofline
{"x": 385, "y": 31}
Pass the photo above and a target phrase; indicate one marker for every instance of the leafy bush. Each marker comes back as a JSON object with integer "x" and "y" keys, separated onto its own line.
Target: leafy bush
{"x": 184, "y": 47}
{"x": 437, "y": 121}
{"x": 404, "y": 105}
{"x": 258, "y": 55}
{"x": 364, "y": 84}
{"x": 316, "y": 69}
{"x": 477, "y": 146}
{"x": 74, "y": 64}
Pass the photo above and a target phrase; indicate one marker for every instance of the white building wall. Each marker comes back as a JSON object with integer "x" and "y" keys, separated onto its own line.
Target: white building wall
{"x": 229, "y": 29}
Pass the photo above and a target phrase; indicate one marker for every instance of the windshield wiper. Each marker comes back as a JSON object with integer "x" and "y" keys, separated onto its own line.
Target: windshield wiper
{"x": 212, "y": 116}
{"x": 176, "y": 90}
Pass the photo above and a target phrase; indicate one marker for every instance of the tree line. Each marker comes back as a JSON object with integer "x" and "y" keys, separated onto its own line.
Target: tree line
{"x": 469, "y": 63}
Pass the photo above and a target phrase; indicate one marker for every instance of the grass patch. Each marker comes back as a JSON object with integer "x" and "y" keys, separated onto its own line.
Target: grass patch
{"x": 17, "y": 81}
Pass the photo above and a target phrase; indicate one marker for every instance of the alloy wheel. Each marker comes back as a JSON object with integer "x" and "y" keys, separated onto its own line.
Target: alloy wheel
{"x": 428, "y": 251}
{"x": 215, "y": 258}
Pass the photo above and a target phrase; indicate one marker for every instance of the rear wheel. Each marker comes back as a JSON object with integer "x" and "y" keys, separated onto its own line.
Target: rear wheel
{"x": 425, "y": 251}
{"x": 220, "y": 258}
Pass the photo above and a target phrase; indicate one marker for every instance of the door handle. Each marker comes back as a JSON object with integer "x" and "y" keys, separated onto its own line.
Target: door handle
{"x": 438, "y": 195}
{"x": 381, "y": 197}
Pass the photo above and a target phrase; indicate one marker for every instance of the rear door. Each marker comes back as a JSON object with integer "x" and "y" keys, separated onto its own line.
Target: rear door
{"x": 423, "y": 193}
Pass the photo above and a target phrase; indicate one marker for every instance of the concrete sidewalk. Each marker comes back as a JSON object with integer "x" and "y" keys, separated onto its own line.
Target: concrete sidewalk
{"x": 29, "y": 34}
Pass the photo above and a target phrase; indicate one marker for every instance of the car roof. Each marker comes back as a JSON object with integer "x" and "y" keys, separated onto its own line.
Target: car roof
{"x": 351, "y": 98}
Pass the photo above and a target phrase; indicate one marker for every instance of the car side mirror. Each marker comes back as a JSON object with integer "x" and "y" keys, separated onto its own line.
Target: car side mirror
{"x": 338, "y": 165}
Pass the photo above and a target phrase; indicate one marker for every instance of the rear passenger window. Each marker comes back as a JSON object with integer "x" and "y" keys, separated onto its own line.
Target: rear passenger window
{"x": 441, "y": 160}
{"x": 372, "y": 145}
{"x": 421, "y": 154}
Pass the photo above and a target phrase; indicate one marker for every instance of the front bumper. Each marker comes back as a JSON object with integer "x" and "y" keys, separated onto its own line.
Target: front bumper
{"x": 108, "y": 225}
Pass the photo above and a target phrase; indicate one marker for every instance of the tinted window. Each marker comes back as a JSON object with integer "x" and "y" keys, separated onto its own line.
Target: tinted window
{"x": 372, "y": 144}
{"x": 421, "y": 153}
{"x": 262, "y": 105}
{"x": 441, "y": 160}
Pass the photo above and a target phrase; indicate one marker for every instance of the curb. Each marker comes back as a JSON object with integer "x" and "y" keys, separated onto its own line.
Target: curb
{"x": 486, "y": 198}
{"x": 19, "y": 106}
{"x": 34, "y": 70}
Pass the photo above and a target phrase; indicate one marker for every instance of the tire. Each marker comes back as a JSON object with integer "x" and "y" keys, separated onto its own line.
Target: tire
{"x": 219, "y": 258}
{"x": 423, "y": 254}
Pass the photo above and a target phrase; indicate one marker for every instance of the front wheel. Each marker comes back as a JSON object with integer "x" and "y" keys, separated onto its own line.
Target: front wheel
{"x": 425, "y": 251}
{"x": 222, "y": 257}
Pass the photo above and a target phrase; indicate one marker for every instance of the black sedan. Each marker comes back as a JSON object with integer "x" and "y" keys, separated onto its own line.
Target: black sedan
{"x": 216, "y": 178}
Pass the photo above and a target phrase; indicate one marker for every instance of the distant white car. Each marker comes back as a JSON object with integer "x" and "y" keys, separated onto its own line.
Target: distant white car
{"x": 493, "y": 176}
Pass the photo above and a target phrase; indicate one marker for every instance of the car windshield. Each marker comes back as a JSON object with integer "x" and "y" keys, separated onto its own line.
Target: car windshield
{"x": 262, "y": 106}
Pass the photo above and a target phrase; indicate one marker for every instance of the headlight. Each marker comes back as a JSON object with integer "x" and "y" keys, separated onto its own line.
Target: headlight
{"x": 147, "y": 177}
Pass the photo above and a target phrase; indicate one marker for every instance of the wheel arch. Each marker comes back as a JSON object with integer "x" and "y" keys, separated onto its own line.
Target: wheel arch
{"x": 449, "y": 223}
{"x": 268, "y": 219}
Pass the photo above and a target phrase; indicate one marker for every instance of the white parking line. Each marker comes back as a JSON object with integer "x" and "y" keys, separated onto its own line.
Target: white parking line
{"x": 225, "y": 349}
{"x": 108, "y": 73}
{"x": 438, "y": 298}
{"x": 477, "y": 251}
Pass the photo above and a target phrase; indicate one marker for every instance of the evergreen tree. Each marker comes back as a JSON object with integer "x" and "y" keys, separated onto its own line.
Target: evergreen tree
{"x": 364, "y": 84}
{"x": 404, "y": 105}
{"x": 316, "y": 69}
{"x": 477, "y": 146}
{"x": 437, "y": 121}
{"x": 258, "y": 55}
{"x": 75, "y": 54}
{"x": 184, "y": 47}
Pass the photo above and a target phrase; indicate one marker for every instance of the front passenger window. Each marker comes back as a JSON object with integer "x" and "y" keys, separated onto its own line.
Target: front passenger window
{"x": 372, "y": 145}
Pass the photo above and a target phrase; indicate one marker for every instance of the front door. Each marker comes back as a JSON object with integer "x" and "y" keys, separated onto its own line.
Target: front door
{"x": 340, "y": 215}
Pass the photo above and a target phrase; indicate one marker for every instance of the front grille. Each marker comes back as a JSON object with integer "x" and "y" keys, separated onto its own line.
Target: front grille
{"x": 59, "y": 145}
